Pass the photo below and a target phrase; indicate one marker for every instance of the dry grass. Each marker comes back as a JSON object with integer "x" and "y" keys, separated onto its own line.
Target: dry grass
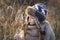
{"x": 11, "y": 17}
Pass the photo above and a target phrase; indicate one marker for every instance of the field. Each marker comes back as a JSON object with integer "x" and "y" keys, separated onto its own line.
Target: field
{"x": 12, "y": 14}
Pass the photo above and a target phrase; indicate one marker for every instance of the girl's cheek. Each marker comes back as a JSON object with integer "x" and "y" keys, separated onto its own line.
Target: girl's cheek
{"x": 31, "y": 21}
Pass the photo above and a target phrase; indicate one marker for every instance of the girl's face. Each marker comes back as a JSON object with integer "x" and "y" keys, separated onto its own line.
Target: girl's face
{"x": 31, "y": 20}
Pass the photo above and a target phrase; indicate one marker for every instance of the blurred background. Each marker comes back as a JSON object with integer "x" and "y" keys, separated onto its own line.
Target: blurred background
{"x": 11, "y": 12}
